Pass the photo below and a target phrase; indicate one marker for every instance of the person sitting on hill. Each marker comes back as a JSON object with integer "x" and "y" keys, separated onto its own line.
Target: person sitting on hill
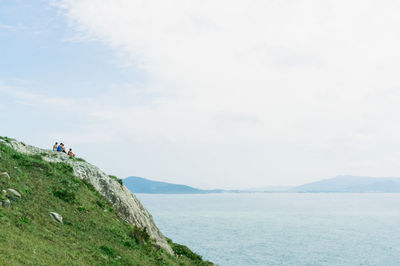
{"x": 70, "y": 153}
{"x": 63, "y": 148}
{"x": 55, "y": 147}
{"x": 59, "y": 148}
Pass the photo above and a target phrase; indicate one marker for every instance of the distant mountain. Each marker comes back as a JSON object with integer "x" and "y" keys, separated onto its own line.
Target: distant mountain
{"x": 143, "y": 185}
{"x": 352, "y": 184}
{"x": 339, "y": 184}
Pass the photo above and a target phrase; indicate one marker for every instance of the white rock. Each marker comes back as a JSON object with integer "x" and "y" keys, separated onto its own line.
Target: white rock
{"x": 14, "y": 192}
{"x": 5, "y": 174}
{"x": 56, "y": 217}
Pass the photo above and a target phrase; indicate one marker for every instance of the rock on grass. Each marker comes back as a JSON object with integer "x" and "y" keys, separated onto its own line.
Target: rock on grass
{"x": 56, "y": 217}
{"x": 14, "y": 192}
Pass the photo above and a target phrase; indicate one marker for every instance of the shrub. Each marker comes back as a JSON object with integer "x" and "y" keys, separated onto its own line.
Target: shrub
{"x": 111, "y": 209}
{"x": 65, "y": 195}
{"x": 81, "y": 209}
{"x": 71, "y": 184}
{"x": 108, "y": 251}
{"x": 19, "y": 171}
{"x": 65, "y": 168}
{"x": 42, "y": 165}
{"x": 100, "y": 203}
{"x": 185, "y": 251}
{"x": 6, "y": 139}
{"x": 140, "y": 235}
{"x": 25, "y": 220}
{"x": 88, "y": 185}
{"x": 129, "y": 244}
{"x": 116, "y": 179}
{"x": 17, "y": 156}
{"x": 182, "y": 250}
{"x": 26, "y": 189}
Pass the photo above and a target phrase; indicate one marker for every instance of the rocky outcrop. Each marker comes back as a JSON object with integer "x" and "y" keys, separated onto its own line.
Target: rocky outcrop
{"x": 57, "y": 217}
{"x": 127, "y": 206}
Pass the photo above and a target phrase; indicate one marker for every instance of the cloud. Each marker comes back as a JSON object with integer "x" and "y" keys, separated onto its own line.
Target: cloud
{"x": 286, "y": 63}
{"x": 14, "y": 28}
{"x": 317, "y": 75}
{"x": 39, "y": 100}
{"x": 8, "y": 27}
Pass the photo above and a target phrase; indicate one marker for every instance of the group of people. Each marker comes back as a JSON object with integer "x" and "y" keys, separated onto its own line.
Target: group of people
{"x": 61, "y": 148}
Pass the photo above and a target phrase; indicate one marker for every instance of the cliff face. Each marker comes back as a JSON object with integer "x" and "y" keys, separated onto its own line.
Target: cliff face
{"x": 128, "y": 207}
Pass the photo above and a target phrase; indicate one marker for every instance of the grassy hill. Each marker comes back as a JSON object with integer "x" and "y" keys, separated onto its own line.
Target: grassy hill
{"x": 91, "y": 233}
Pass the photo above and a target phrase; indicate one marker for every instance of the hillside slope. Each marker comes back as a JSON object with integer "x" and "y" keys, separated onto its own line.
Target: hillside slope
{"x": 102, "y": 222}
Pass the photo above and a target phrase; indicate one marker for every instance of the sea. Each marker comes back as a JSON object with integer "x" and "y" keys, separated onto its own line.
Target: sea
{"x": 282, "y": 229}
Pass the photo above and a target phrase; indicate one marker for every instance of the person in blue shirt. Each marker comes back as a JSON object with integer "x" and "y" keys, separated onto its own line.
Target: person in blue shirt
{"x": 60, "y": 147}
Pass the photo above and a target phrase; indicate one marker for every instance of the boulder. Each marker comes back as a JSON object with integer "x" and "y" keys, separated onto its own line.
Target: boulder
{"x": 5, "y": 203}
{"x": 13, "y": 198}
{"x": 14, "y": 192}
{"x": 5, "y": 174}
{"x": 56, "y": 217}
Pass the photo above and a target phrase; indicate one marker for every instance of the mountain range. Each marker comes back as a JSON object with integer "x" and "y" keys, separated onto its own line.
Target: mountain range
{"x": 338, "y": 184}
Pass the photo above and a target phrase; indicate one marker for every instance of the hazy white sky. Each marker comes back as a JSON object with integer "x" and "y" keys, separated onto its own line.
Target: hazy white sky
{"x": 228, "y": 94}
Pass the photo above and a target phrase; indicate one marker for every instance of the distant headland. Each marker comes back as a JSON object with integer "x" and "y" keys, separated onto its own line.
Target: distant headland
{"x": 338, "y": 184}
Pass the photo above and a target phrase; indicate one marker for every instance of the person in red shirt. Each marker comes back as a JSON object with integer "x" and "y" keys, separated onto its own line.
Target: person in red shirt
{"x": 70, "y": 153}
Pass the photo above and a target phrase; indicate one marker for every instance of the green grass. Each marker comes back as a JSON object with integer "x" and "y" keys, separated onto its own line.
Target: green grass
{"x": 77, "y": 159}
{"x": 117, "y": 179}
{"x": 184, "y": 251}
{"x": 91, "y": 234}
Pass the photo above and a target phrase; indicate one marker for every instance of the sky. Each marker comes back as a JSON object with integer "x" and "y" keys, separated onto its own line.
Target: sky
{"x": 212, "y": 94}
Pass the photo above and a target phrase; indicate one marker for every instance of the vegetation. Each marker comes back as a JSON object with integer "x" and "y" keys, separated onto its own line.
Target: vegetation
{"x": 7, "y": 139}
{"x": 77, "y": 159}
{"x": 91, "y": 233}
{"x": 117, "y": 179}
{"x": 182, "y": 250}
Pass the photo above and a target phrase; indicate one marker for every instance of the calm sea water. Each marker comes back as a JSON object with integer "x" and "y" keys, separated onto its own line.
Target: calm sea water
{"x": 283, "y": 229}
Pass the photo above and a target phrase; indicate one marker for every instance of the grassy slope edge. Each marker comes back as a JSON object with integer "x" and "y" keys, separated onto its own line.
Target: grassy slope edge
{"x": 91, "y": 233}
